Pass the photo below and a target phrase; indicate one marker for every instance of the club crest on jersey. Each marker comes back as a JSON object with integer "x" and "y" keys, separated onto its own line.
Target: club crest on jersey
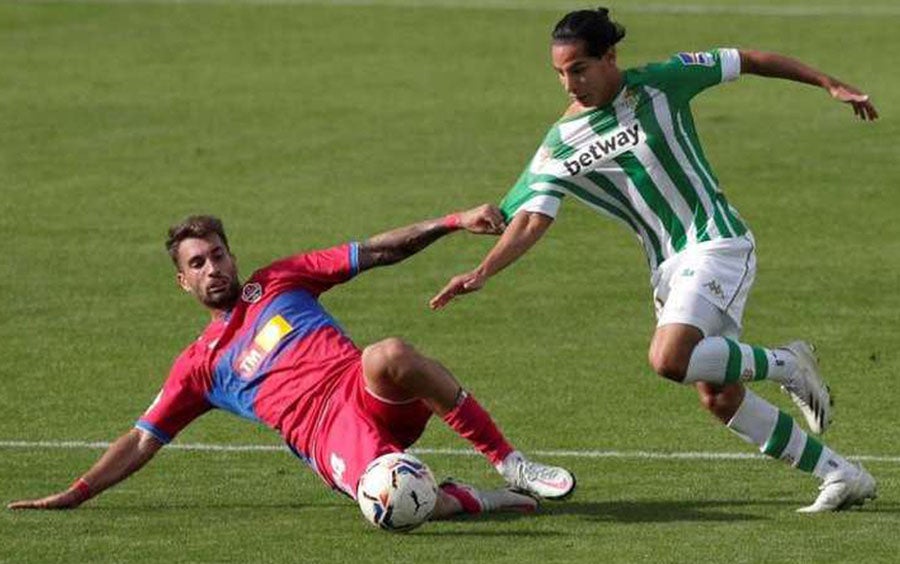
{"x": 704, "y": 59}
{"x": 252, "y": 292}
{"x": 630, "y": 98}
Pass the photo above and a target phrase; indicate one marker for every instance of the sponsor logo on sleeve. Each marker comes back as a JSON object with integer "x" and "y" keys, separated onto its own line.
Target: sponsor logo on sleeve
{"x": 703, "y": 59}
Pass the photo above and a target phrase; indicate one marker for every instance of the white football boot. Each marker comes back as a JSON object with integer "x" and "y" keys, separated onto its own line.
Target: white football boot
{"x": 548, "y": 482}
{"x": 475, "y": 501}
{"x": 843, "y": 490}
{"x": 807, "y": 389}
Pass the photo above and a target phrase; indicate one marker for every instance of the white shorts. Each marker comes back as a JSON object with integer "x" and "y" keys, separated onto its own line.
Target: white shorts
{"x": 706, "y": 286}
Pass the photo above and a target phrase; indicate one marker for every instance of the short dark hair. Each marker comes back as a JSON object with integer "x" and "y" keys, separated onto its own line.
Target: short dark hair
{"x": 594, "y": 27}
{"x": 194, "y": 226}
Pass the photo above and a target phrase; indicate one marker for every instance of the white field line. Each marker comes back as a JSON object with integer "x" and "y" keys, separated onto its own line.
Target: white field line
{"x": 786, "y": 10}
{"x": 621, "y": 454}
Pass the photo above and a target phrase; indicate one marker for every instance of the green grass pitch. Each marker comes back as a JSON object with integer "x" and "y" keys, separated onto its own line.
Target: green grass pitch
{"x": 304, "y": 124}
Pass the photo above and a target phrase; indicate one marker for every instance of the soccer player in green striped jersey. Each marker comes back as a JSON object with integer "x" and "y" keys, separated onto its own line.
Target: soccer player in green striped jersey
{"x": 627, "y": 147}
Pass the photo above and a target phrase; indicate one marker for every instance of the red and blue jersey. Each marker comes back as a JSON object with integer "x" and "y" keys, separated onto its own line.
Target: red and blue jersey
{"x": 274, "y": 358}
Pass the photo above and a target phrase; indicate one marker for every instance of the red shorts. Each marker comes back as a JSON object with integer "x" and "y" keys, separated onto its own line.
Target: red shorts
{"x": 357, "y": 427}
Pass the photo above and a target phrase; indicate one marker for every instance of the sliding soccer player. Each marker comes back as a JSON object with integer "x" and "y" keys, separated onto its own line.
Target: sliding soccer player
{"x": 272, "y": 354}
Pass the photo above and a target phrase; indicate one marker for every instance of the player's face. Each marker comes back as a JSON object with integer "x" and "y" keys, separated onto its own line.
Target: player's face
{"x": 589, "y": 81}
{"x": 208, "y": 271}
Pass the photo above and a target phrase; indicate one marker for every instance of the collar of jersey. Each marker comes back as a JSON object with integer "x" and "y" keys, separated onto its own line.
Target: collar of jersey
{"x": 598, "y": 108}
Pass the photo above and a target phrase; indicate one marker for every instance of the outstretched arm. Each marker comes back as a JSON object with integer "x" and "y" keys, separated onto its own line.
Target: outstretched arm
{"x": 523, "y": 232}
{"x": 122, "y": 459}
{"x": 394, "y": 246}
{"x": 780, "y": 66}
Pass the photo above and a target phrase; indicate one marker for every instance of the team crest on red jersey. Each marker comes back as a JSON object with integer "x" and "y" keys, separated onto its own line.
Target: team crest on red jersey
{"x": 252, "y": 292}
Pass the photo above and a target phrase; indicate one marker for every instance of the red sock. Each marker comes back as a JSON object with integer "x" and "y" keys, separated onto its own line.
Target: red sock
{"x": 465, "y": 496}
{"x": 473, "y": 423}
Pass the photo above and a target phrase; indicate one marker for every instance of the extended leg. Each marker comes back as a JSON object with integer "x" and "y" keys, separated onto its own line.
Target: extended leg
{"x": 456, "y": 498}
{"x": 777, "y": 435}
{"x": 396, "y": 372}
{"x": 674, "y": 355}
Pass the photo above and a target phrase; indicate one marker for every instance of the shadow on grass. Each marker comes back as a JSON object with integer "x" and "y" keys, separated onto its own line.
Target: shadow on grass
{"x": 661, "y": 511}
{"x": 877, "y": 506}
{"x": 492, "y": 517}
{"x": 432, "y": 531}
{"x": 721, "y": 510}
{"x": 162, "y": 507}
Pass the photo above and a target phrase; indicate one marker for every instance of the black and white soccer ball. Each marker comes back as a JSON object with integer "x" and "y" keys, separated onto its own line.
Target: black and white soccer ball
{"x": 397, "y": 492}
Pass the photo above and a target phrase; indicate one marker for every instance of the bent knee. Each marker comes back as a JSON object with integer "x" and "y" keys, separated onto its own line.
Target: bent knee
{"x": 667, "y": 365}
{"x": 389, "y": 353}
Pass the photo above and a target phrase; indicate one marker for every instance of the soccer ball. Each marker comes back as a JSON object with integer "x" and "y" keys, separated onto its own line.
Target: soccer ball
{"x": 397, "y": 492}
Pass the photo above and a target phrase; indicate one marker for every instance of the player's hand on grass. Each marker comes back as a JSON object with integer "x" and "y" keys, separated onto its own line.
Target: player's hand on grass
{"x": 69, "y": 499}
{"x": 459, "y": 284}
{"x": 486, "y": 219}
{"x": 862, "y": 106}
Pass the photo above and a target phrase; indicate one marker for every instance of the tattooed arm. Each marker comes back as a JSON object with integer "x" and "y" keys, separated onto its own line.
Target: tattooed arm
{"x": 398, "y": 244}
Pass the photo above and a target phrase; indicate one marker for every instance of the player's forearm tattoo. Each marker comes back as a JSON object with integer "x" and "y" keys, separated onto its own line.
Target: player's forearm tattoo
{"x": 394, "y": 246}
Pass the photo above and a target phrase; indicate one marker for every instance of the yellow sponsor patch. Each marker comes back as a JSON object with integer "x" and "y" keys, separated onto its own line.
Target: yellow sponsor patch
{"x": 271, "y": 333}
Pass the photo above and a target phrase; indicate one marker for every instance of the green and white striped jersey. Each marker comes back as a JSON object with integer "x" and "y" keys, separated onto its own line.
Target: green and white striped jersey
{"x": 638, "y": 159}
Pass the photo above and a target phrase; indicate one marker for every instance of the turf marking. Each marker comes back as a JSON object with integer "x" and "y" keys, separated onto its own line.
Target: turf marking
{"x": 620, "y": 454}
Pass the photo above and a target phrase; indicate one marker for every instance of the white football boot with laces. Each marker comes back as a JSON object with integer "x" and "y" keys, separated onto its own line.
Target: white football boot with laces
{"x": 807, "y": 389}
{"x": 843, "y": 490}
{"x": 548, "y": 482}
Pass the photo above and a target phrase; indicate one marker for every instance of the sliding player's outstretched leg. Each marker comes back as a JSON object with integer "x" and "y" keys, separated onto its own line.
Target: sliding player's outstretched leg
{"x": 396, "y": 372}
{"x": 458, "y": 498}
{"x": 548, "y": 482}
